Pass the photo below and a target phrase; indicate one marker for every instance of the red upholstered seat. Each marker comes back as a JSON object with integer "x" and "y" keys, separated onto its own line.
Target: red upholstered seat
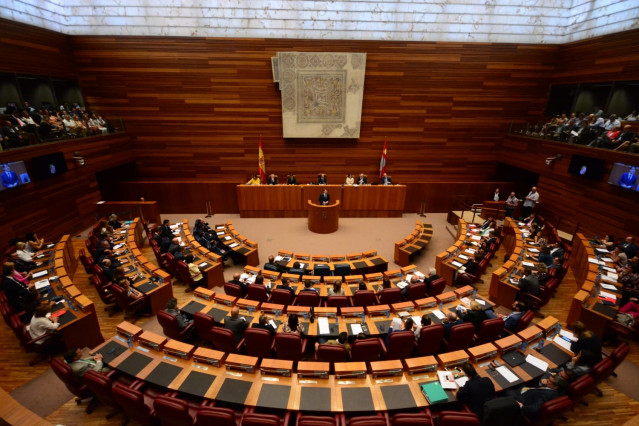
{"x": 224, "y": 340}
{"x": 203, "y": 324}
{"x": 258, "y": 342}
{"x": 134, "y": 404}
{"x": 388, "y": 296}
{"x": 416, "y": 291}
{"x": 257, "y": 292}
{"x": 430, "y": 339}
{"x": 366, "y": 350}
{"x": 437, "y": 286}
{"x": 461, "y": 336}
{"x": 218, "y": 416}
{"x": 400, "y": 345}
{"x": 289, "y": 346}
{"x": 364, "y": 298}
{"x": 454, "y": 418}
{"x": 489, "y": 331}
{"x": 234, "y": 290}
{"x": 173, "y": 411}
{"x": 280, "y": 296}
{"x": 171, "y": 329}
{"x": 331, "y": 353}
{"x": 64, "y": 373}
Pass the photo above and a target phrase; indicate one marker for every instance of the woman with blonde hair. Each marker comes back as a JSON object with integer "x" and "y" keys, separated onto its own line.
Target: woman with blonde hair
{"x": 337, "y": 289}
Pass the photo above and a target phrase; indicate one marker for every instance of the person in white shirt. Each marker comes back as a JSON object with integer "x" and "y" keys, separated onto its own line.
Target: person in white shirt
{"x": 23, "y": 254}
{"x": 496, "y": 195}
{"x": 531, "y": 200}
{"x": 632, "y": 116}
{"x": 41, "y": 325}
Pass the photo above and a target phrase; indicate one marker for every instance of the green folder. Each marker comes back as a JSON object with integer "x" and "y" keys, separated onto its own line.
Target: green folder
{"x": 434, "y": 393}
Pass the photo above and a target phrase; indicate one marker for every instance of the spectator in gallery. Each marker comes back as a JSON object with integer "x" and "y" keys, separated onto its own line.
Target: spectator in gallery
{"x": 350, "y": 180}
{"x": 12, "y": 136}
{"x": 362, "y": 179}
{"x": 321, "y": 179}
{"x": 272, "y": 179}
{"x": 632, "y": 116}
{"x": 291, "y": 180}
{"x": 531, "y": 200}
{"x": 496, "y": 195}
{"x": 255, "y": 180}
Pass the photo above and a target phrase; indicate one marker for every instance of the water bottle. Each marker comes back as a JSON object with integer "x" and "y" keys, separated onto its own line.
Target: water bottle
{"x": 305, "y": 315}
{"x": 129, "y": 342}
{"x": 250, "y": 309}
{"x": 387, "y": 313}
{"x": 336, "y": 320}
{"x": 540, "y": 345}
{"x": 524, "y": 345}
{"x": 161, "y": 281}
{"x": 441, "y": 305}
{"x": 474, "y": 293}
{"x": 277, "y": 314}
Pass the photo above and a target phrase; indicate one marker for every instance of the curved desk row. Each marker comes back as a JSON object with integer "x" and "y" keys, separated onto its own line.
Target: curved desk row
{"x": 444, "y": 261}
{"x": 414, "y": 243}
{"x": 291, "y": 200}
{"x": 367, "y": 262}
{"x": 502, "y": 290}
{"x": 592, "y": 269}
{"x": 235, "y": 241}
{"x": 209, "y": 262}
{"x": 308, "y": 386}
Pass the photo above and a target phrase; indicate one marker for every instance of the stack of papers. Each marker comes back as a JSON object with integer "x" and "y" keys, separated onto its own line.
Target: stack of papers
{"x": 446, "y": 379}
{"x": 462, "y": 256}
{"x": 561, "y": 342}
{"x": 461, "y": 381}
{"x": 470, "y": 251}
{"x": 533, "y": 250}
{"x": 357, "y": 328}
{"x": 322, "y": 325}
{"x": 529, "y": 264}
{"x": 476, "y": 238}
{"x": 602, "y": 251}
{"x": 42, "y": 284}
{"x": 457, "y": 264}
{"x": 233, "y": 245}
{"x": 507, "y": 374}
{"x": 540, "y": 364}
{"x": 439, "y": 314}
{"x": 40, "y": 274}
{"x": 567, "y": 334}
{"x": 606, "y": 259}
{"x": 465, "y": 301}
{"x": 593, "y": 260}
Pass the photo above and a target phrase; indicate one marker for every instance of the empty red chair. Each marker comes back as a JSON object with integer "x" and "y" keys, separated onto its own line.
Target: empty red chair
{"x": 581, "y": 387}
{"x": 258, "y": 419}
{"x": 171, "y": 329}
{"x": 331, "y": 353}
{"x": 203, "y": 324}
{"x": 289, "y": 346}
{"x": 218, "y": 416}
{"x": 430, "y": 339}
{"x": 489, "y": 331}
{"x": 411, "y": 419}
{"x": 80, "y": 390}
{"x": 618, "y": 355}
{"x": 600, "y": 372}
{"x": 337, "y": 302}
{"x": 400, "y": 345}
{"x": 437, "y": 286}
{"x": 308, "y": 298}
{"x": 367, "y": 421}
{"x": 454, "y": 418}
{"x": 280, "y": 296}
{"x": 87, "y": 261}
{"x": 258, "y": 342}
{"x": 257, "y": 292}
{"x": 524, "y": 322}
{"x": 461, "y": 336}
{"x": 416, "y": 291}
{"x": 364, "y": 298}
{"x": 306, "y": 420}
{"x": 173, "y": 411}
{"x": 101, "y": 386}
{"x": 388, "y": 296}
{"x": 134, "y": 403}
{"x": 234, "y": 290}
{"x": 224, "y": 340}
{"x": 366, "y": 350}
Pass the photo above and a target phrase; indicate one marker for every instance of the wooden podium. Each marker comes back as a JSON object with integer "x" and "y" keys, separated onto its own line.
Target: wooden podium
{"x": 323, "y": 219}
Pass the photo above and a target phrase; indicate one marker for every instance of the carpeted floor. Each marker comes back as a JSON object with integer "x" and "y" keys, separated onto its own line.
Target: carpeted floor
{"x": 43, "y": 395}
{"x": 626, "y": 380}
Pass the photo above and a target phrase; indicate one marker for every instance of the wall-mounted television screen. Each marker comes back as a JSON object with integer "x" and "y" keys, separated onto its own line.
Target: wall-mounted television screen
{"x": 13, "y": 175}
{"x": 625, "y": 176}
{"x": 48, "y": 165}
{"x": 588, "y": 167}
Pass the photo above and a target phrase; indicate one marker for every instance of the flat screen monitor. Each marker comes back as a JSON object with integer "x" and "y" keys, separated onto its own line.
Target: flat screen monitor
{"x": 49, "y": 165}
{"x": 624, "y": 176}
{"x": 13, "y": 175}
{"x": 587, "y": 167}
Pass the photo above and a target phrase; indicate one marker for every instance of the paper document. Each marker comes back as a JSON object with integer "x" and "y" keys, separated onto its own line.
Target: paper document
{"x": 606, "y": 259}
{"x": 465, "y": 301}
{"x": 568, "y": 334}
{"x": 561, "y": 342}
{"x": 609, "y": 287}
{"x": 173, "y": 226}
{"x": 608, "y": 279}
{"x": 457, "y": 264}
{"x": 203, "y": 265}
{"x": 117, "y": 246}
{"x": 220, "y": 233}
{"x": 593, "y": 260}
{"x": 529, "y": 264}
{"x": 481, "y": 302}
{"x": 461, "y": 381}
{"x": 272, "y": 323}
{"x": 507, "y": 374}
{"x": 417, "y": 319}
{"x": 219, "y": 227}
{"x": 446, "y": 379}
{"x": 470, "y": 251}
{"x": 233, "y": 245}
{"x": 303, "y": 265}
{"x": 608, "y": 295}
{"x": 540, "y": 364}
{"x": 463, "y": 256}
{"x": 40, "y": 274}
{"x": 533, "y": 250}
{"x": 401, "y": 284}
{"x": 610, "y": 269}
{"x": 475, "y": 237}
{"x": 521, "y": 223}
{"x": 439, "y": 314}
{"x": 612, "y": 275}
{"x": 357, "y": 328}
{"x": 41, "y": 284}
{"x": 278, "y": 258}
{"x": 227, "y": 238}
{"x": 603, "y": 251}
{"x": 322, "y": 325}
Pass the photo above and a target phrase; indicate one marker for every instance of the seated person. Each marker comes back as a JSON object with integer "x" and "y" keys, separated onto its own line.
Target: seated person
{"x": 175, "y": 243}
{"x": 542, "y": 274}
{"x": 629, "y": 313}
{"x": 386, "y": 283}
{"x": 113, "y": 221}
{"x": 222, "y": 250}
{"x": 263, "y": 323}
{"x": 22, "y": 253}
{"x": 362, "y": 179}
{"x": 293, "y": 325}
{"x": 237, "y": 279}
{"x": 179, "y": 253}
{"x": 350, "y": 180}
{"x": 285, "y": 286}
{"x": 297, "y": 269}
{"x": 586, "y": 340}
{"x": 33, "y": 243}
{"x": 108, "y": 269}
{"x": 532, "y": 399}
{"x": 171, "y": 308}
{"x": 259, "y": 280}
{"x": 291, "y": 180}
{"x": 255, "y": 180}
{"x": 544, "y": 256}
{"x": 21, "y": 293}
{"x": 321, "y": 178}
{"x": 336, "y": 290}
{"x": 165, "y": 229}
{"x": 236, "y": 324}
{"x": 342, "y": 340}
{"x": 528, "y": 283}
{"x": 272, "y": 179}
{"x": 79, "y": 365}
{"x": 425, "y": 322}
{"x": 308, "y": 286}
{"x": 396, "y": 325}
{"x": 40, "y": 324}
{"x": 271, "y": 265}
{"x": 324, "y": 198}
{"x": 131, "y": 292}
{"x": 511, "y": 322}
{"x": 476, "y": 391}
{"x": 196, "y": 274}
{"x": 386, "y": 180}
{"x": 450, "y": 321}
{"x": 432, "y": 276}
{"x": 475, "y": 315}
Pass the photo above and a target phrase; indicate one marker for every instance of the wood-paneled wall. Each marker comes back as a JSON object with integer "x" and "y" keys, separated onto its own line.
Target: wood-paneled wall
{"x": 63, "y": 204}
{"x": 568, "y": 200}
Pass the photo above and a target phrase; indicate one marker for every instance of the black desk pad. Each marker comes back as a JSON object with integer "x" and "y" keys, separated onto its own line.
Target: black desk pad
{"x": 398, "y": 397}
{"x": 382, "y": 326}
{"x": 111, "y": 351}
{"x": 234, "y": 391}
{"x": 505, "y": 384}
{"x": 315, "y": 399}
{"x": 555, "y": 354}
{"x": 146, "y": 287}
{"x": 243, "y": 250}
{"x": 377, "y": 261}
{"x": 514, "y": 358}
{"x": 357, "y": 399}
{"x": 274, "y": 396}
{"x": 192, "y": 307}
{"x": 305, "y": 327}
{"x": 163, "y": 374}
{"x": 607, "y": 310}
{"x": 365, "y": 329}
{"x": 218, "y": 314}
{"x": 67, "y": 317}
{"x": 134, "y": 363}
{"x": 531, "y": 370}
{"x": 434, "y": 318}
{"x": 197, "y": 383}
{"x": 411, "y": 249}
{"x": 360, "y": 265}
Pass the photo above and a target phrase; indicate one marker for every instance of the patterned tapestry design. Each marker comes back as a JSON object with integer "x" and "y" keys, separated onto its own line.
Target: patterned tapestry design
{"x": 321, "y": 93}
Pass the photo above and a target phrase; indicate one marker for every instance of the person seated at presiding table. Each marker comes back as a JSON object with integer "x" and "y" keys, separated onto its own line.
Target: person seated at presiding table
{"x": 236, "y": 324}
{"x": 291, "y": 180}
{"x": 324, "y": 198}
{"x": 450, "y": 321}
{"x": 222, "y": 250}
{"x": 40, "y": 324}
{"x": 79, "y": 365}
{"x": 263, "y": 323}
{"x": 272, "y": 179}
{"x": 350, "y": 180}
{"x": 385, "y": 180}
{"x": 131, "y": 292}
{"x": 308, "y": 286}
{"x": 336, "y": 290}
{"x": 171, "y": 308}
{"x": 293, "y": 325}
{"x": 511, "y": 321}
{"x": 362, "y": 179}
{"x": 165, "y": 229}
{"x": 255, "y": 180}
{"x": 285, "y": 286}
{"x": 474, "y": 315}
{"x": 542, "y": 273}
{"x": 321, "y": 178}
{"x": 22, "y": 253}
{"x": 476, "y": 391}
{"x": 196, "y": 274}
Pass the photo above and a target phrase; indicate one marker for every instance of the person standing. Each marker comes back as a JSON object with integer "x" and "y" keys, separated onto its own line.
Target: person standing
{"x": 531, "y": 201}
{"x": 511, "y": 204}
{"x": 496, "y": 195}
{"x": 324, "y": 198}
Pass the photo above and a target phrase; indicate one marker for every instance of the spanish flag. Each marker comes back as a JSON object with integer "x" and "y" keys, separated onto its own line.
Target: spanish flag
{"x": 382, "y": 163}
{"x": 262, "y": 163}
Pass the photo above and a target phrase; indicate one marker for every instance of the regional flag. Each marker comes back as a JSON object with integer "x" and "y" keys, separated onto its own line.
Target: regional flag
{"x": 262, "y": 163}
{"x": 382, "y": 163}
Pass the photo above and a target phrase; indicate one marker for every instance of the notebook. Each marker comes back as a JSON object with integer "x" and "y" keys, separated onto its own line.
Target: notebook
{"x": 514, "y": 358}
{"x": 434, "y": 393}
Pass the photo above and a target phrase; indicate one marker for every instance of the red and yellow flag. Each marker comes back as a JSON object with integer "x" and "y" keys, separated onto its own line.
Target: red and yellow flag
{"x": 262, "y": 163}
{"x": 382, "y": 163}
